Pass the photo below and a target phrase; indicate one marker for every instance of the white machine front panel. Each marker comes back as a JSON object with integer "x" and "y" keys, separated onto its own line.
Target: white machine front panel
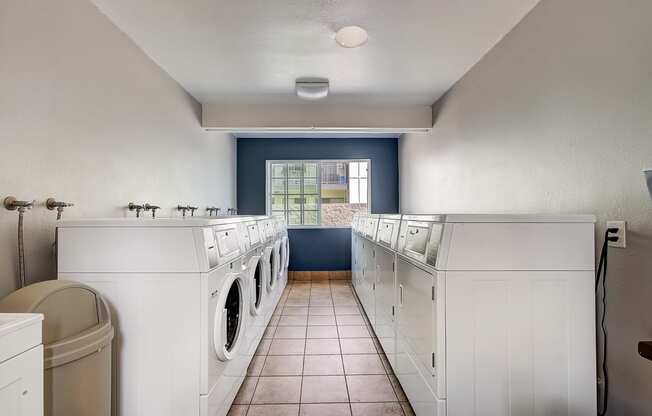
{"x": 157, "y": 320}
{"x": 385, "y": 302}
{"x": 122, "y": 249}
{"x": 420, "y": 326}
{"x": 372, "y": 227}
{"x": 518, "y": 246}
{"x": 21, "y": 384}
{"x": 520, "y": 343}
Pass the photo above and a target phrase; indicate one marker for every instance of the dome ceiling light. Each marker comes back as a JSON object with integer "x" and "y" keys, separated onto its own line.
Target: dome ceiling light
{"x": 312, "y": 89}
{"x": 351, "y": 37}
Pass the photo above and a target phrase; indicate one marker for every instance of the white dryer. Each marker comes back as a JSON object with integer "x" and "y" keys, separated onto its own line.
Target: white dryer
{"x": 267, "y": 233}
{"x": 180, "y": 302}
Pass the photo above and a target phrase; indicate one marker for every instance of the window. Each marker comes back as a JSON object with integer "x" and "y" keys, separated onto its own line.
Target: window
{"x": 315, "y": 193}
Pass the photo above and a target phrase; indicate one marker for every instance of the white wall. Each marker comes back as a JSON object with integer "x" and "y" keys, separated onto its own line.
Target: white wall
{"x": 87, "y": 117}
{"x": 557, "y": 118}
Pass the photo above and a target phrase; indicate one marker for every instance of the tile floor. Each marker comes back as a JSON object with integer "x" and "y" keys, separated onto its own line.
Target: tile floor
{"x": 319, "y": 357}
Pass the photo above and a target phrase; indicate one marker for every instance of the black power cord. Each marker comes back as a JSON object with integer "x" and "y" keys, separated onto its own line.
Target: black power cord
{"x": 601, "y": 276}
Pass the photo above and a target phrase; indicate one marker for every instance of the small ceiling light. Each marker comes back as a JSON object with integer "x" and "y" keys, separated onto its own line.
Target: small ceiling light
{"x": 312, "y": 89}
{"x": 351, "y": 36}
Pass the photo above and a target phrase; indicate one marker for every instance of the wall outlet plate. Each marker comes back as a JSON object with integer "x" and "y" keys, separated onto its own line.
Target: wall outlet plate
{"x": 621, "y": 234}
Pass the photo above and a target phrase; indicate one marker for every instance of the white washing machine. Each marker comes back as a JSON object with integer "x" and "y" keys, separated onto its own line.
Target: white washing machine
{"x": 254, "y": 270}
{"x": 490, "y": 314}
{"x": 267, "y": 233}
{"x": 181, "y": 305}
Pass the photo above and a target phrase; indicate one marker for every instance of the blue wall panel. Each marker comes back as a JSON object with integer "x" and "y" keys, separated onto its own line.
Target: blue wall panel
{"x": 318, "y": 249}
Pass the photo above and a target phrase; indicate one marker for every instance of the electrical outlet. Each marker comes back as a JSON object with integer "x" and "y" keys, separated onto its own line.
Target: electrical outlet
{"x": 621, "y": 234}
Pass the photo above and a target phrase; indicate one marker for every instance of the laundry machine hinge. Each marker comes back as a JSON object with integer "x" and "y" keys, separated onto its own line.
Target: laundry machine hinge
{"x": 433, "y": 360}
{"x": 392, "y": 311}
{"x": 433, "y": 293}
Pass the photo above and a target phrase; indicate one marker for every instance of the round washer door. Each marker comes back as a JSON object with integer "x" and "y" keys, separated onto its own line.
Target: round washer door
{"x": 276, "y": 260}
{"x": 268, "y": 258}
{"x": 228, "y": 326}
{"x": 285, "y": 247}
{"x": 256, "y": 280}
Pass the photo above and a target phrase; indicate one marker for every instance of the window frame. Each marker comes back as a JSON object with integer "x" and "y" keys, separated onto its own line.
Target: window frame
{"x": 268, "y": 188}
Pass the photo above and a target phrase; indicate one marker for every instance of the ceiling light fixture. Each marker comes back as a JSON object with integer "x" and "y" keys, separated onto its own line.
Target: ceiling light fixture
{"x": 312, "y": 89}
{"x": 351, "y": 36}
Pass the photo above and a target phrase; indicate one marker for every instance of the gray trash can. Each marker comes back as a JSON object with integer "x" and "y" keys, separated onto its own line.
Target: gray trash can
{"x": 77, "y": 335}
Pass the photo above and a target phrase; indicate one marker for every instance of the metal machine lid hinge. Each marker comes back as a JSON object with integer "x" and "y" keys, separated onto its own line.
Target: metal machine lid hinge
{"x": 433, "y": 293}
{"x": 392, "y": 311}
{"x": 393, "y": 266}
{"x": 374, "y": 286}
{"x": 433, "y": 360}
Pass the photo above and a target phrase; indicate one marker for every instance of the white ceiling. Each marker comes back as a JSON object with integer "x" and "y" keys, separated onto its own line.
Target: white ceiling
{"x": 251, "y": 51}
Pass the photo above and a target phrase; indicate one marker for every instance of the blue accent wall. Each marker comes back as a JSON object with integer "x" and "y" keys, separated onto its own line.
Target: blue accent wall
{"x": 323, "y": 248}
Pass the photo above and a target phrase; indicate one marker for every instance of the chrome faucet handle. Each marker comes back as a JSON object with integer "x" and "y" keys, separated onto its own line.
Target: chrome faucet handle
{"x": 12, "y": 204}
{"x": 211, "y": 210}
{"x": 53, "y": 204}
{"x": 183, "y": 209}
{"x": 192, "y": 210}
{"x": 153, "y": 208}
{"x": 136, "y": 207}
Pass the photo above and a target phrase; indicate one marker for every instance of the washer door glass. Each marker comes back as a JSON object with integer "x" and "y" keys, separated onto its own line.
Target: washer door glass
{"x": 257, "y": 282}
{"x": 272, "y": 276}
{"x": 228, "y": 318}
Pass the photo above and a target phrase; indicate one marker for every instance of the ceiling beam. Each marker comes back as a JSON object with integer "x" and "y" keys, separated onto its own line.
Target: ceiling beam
{"x": 317, "y": 117}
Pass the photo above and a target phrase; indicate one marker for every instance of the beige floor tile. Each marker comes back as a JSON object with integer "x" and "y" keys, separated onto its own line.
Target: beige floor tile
{"x": 256, "y": 365}
{"x": 287, "y": 347}
{"x": 321, "y": 301}
{"x": 274, "y": 410}
{"x": 350, "y": 320}
{"x": 238, "y": 410}
{"x": 370, "y": 389}
{"x": 314, "y": 320}
{"x": 322, "y": 365}
{"x": 277, "y": 390}
{"x": 325, "y": 409}
{"x": 324, "y": 389}
{"x": 283, "y": 365}
{"x": 324, "y": 331}
{"x": 323, "y": 346}
{"x": 290, "y": 332}
{"x": 358, "y": 346}
{"x": 357, "y": 331}
{"x": 246, "y": 391}
{"x": 295, "y": 311}
{"x": 376, "y": 409}
{"x": 363, "y": 364}
{"x": 321, "y": 311}
{"x": 293, "y": 320}
{"x": 302, "y": 302}
{"x": 347, "y": 310}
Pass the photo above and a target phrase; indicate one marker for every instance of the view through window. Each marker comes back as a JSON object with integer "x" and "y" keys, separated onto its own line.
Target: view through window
{"x": 317, "y": 192}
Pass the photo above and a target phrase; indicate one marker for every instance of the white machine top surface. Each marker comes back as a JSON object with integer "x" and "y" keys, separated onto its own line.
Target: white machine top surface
{"x": 498, "y": 218}
{"x": 158, "y": 222}
{"x": 10, "y": 322}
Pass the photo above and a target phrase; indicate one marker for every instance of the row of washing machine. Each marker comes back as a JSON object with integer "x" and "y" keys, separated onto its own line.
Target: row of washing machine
{"x": 482, "y": 314}
{"x": 190, "y": 300}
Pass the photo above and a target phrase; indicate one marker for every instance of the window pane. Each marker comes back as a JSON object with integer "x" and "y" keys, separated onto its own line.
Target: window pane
{"x": 294, "y": 202}
{"x": 310, "y": 186}
{"x": 278, "y": 186}
{"x": 311, "y": 202}
{"x": 310, "y": 217}
{"x": 353, "y": 169}
{"x": 278, "y": 170}
{"x": 278, "y": 214}
{"x": 363, "y": 191}
{"x": 310, "y": 170}
{"x": 295, "y": 169}
{"x": 294, "y": 218}
{"x": 294, "y": 186}
{"x": 354, "y": 191}
{"x": 363, "y": 169}
{"x": 278, "y": 202}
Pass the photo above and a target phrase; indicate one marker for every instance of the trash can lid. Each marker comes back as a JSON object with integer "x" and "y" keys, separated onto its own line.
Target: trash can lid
{"x": 70, "y": 308}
